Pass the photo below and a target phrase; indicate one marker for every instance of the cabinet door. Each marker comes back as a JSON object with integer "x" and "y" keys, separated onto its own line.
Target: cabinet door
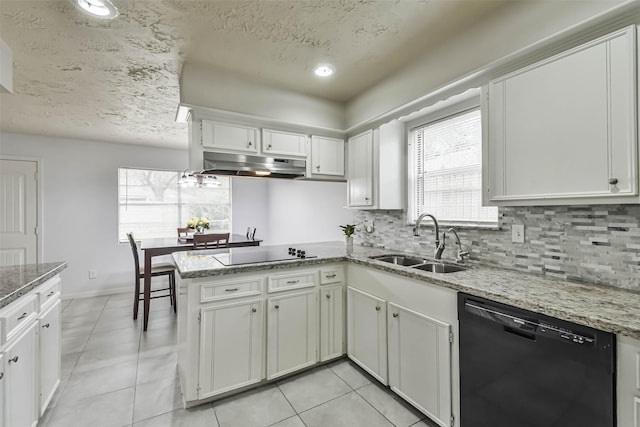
{"x": 20, "y": 379}
{"x": 628, "y": 381}
{"x": 367, "y": 332}
{"x": 2, "y": 370}
{"x": 327, "y": 156}
{"x": 420, "y": 362}
{"x": 230, "y": 138}
{"x": 49, "y": 325}
{"x": 565, "y": 128}
{"x": 360, "y": 170}
{"x": 292, "y": 338}
{"x": 331, "y": 322}
{"x": 230, "y": 347}
{"x": 284, "y": 143}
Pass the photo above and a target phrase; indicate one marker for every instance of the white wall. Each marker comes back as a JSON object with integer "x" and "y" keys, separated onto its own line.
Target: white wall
{"x": 80, "y": 206}
{"x": 512, "y": 27}
{"x": 306, "y": 211}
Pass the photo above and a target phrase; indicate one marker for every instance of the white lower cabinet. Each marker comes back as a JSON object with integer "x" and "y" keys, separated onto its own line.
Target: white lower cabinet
{"x": 20, "y": 380}
{"x": 230, "y": 347}
{"x": 292, "y": 338}
{"x": 2, "y": 411}
{"x": 331, "y": 322}
{"x": 628, "y": 381}
{"x": 367, "y": 332}
{"x": 49, "y": 338}
{"x": 419, "y": 354}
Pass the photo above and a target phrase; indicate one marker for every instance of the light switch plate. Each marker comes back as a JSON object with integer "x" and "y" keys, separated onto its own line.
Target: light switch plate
{"x": 517, "y": 233}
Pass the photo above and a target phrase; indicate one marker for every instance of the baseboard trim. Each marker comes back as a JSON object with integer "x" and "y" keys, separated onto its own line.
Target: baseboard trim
{"x": 97, "y": 293}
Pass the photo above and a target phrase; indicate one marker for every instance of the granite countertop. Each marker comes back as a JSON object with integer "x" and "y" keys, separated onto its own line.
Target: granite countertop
{"x": 606, "y": 308}
{"x": 16, "y": 281}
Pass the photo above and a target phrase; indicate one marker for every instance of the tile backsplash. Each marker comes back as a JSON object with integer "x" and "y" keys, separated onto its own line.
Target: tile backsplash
{"x": 594, "y": 244}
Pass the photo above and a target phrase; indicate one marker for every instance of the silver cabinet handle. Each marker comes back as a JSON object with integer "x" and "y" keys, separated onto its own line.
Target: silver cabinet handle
{"x": 377, "y": 308}
{"x": 292, "y": 282}
{"x": 328, "y": 296}
{"x": 613, "y": 181}
{"x": 46, "y": 325}
{"x": 50, "y": 294}
{"x": 13, "y": 359}
{"x": 330, "y": 276}
{"x": 366, "y": 199}
{"x": 231, "y": 290}
{"x": 268, "y": 147}
{"x": 318, "y": 167}
{"x": 1, "y": 375}
{"x": 22, "y": 316}
{"x": 250, "y": 144}
{"x": 253, "y": 310}
{"x": 276, "y": 306}
{"x": 395, "y": 314}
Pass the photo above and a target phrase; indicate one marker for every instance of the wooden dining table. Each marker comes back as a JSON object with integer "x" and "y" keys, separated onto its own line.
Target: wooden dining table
{"x": 167, "y": 245}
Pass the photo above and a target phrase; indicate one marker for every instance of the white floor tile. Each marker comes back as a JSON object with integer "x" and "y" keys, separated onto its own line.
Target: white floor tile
{"x": 257, "y": 408}
{"x": 312, "y": 389}
{"x": 390, "y": 405}
{"x": 157, "y": 398}
{"x": 107, "y": 410}
{"x": 350, "y": 410}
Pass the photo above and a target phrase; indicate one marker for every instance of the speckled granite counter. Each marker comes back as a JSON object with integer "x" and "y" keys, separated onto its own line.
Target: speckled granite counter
{"x": 606, "y": 308}
{"x": 16, "y": 281}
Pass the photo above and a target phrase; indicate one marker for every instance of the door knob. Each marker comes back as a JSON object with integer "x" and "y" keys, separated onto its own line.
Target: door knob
{"x": 253, "y": 310}
{"x": 395, "y": 314}
{"x": 13, "y": 359}
{"x": 377, "y": 308}
{"x": 613, "y": 181}
{"x": 276, "y": 306}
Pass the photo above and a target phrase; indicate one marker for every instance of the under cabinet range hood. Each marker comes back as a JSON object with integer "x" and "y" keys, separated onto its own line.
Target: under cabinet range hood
{"x": 246, "y": 165}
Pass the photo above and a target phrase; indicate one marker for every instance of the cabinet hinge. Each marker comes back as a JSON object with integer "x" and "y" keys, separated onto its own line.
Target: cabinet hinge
{"x": 453, "y": 420}
{"x": 450, "y": 336}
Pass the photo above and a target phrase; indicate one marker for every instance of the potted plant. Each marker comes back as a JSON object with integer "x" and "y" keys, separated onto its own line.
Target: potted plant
{"x": 348, "y": 231}
{"x": 199, "y": 224}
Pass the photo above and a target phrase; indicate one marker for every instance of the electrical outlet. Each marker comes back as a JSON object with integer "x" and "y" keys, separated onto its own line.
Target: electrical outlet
{"x": 92, "y": 273}
{"x": 517, "y": 233}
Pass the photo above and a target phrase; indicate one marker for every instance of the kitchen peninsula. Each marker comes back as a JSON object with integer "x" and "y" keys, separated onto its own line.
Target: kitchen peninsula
{"x": 242, "y": 325}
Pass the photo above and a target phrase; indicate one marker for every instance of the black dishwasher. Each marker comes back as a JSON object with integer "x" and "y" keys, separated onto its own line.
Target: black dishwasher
{"x": 524, "y": 369}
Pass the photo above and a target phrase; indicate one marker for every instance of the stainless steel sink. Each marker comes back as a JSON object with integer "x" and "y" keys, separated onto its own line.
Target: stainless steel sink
{"x": 399, "y": 259}
{"x": 438, "y": 267}
{"x": 419, "y": 263}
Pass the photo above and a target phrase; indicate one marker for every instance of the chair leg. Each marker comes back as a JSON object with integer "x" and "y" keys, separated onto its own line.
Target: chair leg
{"x": 173, "y": 291}
{"x": 136, "y": 299}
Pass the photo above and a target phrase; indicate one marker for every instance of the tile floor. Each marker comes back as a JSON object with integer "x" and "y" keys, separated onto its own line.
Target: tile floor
{"x": 113, "y": 375}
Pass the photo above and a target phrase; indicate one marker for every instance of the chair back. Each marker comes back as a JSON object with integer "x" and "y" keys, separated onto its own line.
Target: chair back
{"x": 208, "y": 241}
{"x": 183, "y": 231}
{"x": 134, "y": 249}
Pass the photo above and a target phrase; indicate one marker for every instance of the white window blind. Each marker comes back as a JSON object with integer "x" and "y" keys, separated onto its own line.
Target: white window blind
{"x": 447, "y": 159}
{"x": 152, "y": 204}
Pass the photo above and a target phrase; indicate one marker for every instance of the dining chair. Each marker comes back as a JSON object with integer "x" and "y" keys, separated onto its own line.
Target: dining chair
{"x": 183, "y": 231}
{"x": 160, "y": 269}
{"x": 211, "y": 241}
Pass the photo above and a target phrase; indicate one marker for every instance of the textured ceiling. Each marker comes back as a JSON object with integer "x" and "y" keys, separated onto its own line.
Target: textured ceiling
{"x": 117, "y": 81}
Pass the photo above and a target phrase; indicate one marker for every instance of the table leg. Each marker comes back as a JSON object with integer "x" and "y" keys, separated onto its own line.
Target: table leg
{"x": 147, "y": 286}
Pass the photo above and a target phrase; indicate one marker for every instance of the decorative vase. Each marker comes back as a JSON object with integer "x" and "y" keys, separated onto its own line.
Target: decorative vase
{"x": 199, "y": 230}
{"x": 348, "y": 241}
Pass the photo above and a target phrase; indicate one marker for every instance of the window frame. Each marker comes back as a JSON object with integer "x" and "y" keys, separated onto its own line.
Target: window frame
{"x": 434, "y": 117}
{"x": 178, "y": 205}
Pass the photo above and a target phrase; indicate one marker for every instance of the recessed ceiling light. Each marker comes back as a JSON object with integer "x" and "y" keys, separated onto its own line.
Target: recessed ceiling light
{"x": 324, "y": 70}
{"x": 103, "y": 9}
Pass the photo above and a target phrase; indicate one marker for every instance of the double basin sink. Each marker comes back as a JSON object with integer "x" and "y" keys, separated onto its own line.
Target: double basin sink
{"x": 419, "y": 263}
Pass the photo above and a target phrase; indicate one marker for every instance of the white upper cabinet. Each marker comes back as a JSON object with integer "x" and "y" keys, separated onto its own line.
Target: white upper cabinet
{"x": 564, "y": 130}
{"x": 360, "y": 170}
{"x": 231, "y": 138}
{"x": 376, "y": 168}
{"x": 327, "y": 156}
{"x": 275, "y": 142}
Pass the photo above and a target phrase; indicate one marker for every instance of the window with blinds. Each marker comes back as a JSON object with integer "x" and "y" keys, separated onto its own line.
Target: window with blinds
{"x": 152, "y": 204}
{"x": 447, "y": 171}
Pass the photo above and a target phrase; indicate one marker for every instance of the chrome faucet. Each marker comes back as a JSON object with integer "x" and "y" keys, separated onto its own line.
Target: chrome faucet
{"x": 416, "y": 232}
{"x": 461, "y": 253}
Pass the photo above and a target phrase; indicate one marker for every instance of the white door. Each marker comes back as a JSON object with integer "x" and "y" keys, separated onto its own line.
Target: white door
{"x": 230, "y": 347}
{"x": 331, "y": 322}
{"x": 327, "y": 156}
{"x": 292, "y": 338}
{"x": 20, "y": 380}
{"x": 50, "y": 354}
{"x": 18, "y": 212}
{"x": 230, "y": 138}
{"x": 367, "y": 332}
{"x": 284, "y": 143}
{"x": 420, "y": 362}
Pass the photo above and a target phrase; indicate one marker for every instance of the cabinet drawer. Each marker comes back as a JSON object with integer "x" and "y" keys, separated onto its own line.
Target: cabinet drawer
{"x": 17, "y": 315}
{"x": 331, "y": 275}
{"x": 48, "y": 292}
{"x": 297, "y": 280}
{"x": 230, "y": 289}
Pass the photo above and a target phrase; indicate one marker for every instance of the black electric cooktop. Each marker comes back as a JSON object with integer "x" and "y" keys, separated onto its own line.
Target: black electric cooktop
{"x": 261, "y": 254}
